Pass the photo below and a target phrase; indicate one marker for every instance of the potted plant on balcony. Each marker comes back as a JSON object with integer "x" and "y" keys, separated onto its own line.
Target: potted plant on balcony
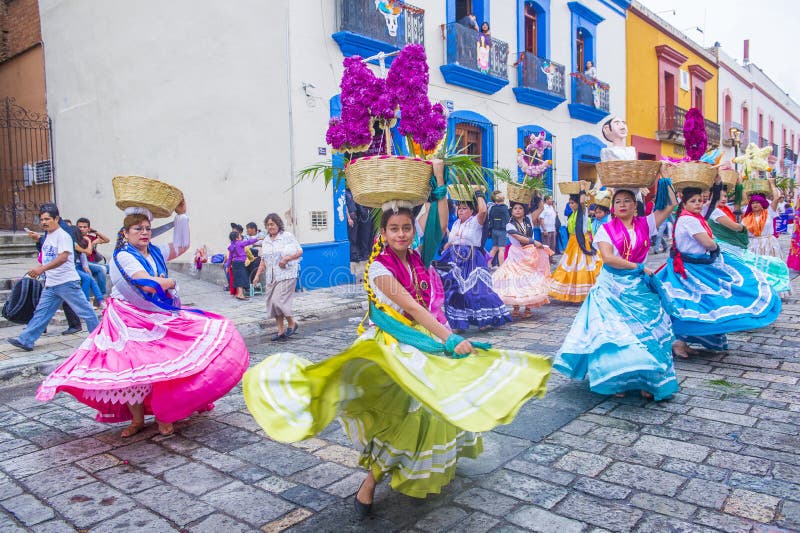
{"x": 371, "y": 106}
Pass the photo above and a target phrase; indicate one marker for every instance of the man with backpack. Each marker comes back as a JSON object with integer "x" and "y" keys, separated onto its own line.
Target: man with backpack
{"x": 496, "y": 222}
{"x": 62, "y": 283}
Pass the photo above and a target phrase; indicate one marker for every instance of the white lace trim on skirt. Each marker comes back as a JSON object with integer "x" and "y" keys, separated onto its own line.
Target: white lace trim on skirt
{"x": 133, "y": 394}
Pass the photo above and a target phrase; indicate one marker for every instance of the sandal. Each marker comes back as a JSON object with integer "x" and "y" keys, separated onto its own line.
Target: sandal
{"x": 166, "y": 428}
{"x": 132, "y": 430}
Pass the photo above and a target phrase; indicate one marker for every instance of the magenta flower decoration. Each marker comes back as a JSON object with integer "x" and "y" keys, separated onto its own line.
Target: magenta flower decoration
{"x": 368, "y": 101}
{"x": 694, "y": 134}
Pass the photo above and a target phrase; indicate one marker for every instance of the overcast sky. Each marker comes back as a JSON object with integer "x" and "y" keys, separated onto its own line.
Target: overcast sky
{"x": 773, "y": 27}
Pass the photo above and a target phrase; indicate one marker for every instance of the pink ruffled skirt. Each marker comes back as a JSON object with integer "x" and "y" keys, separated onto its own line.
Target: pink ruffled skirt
{"x": 175, "y": 364}
{"x": 524, "y": 278}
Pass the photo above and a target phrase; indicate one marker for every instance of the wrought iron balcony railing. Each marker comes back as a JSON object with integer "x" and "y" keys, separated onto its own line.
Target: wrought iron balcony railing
{"x": 762, "y": 142}
{"x": 393, "y": 23}
{"x": 670, "y": 123}
{"x": 712, "y": 133}
{"x": 775, "y": 149}
{"x": 472, "y": 50}
{"x": 534, "y": 72}
{"x": 590, "y": 92}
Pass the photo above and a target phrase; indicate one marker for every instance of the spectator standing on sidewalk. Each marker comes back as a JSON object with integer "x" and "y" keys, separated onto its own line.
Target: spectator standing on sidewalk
{"x": 548, "y": 223}
{"x": 62, "y": 283}
{"x": 281, "y": 252}
{"x": 235, "y": 264}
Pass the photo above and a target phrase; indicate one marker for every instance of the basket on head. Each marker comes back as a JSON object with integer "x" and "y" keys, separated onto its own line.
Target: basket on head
{"x": 601, "y": 198}
{"x": 757, "y": 186}
{"x": 729, "y": 178}
{"x": 573, "y": 187}
{"x": 691, "y": 174}
{"x": 635, "y": 174}
{"x": 518, "y": 193}
{"x": 158, "y": 197}
{"x": 375, "y": 180}
{"x": 462, "y": 193}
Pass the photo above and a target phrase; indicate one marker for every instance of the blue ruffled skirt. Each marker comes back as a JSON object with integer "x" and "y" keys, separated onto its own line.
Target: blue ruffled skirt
{"x": 621, "y": 338}
{"x": 716, "y": 298}
{"x": 468, "y": 295}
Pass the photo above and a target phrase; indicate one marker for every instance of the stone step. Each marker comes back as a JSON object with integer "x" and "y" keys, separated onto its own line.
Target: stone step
{"x": 15, "y": 238}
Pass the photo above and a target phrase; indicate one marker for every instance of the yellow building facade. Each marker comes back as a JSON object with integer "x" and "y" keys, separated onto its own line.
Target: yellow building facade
{"x": 666, "y": 76}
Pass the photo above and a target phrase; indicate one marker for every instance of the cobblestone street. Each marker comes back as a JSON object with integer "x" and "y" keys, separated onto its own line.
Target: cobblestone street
{"x": 722, "y": 455}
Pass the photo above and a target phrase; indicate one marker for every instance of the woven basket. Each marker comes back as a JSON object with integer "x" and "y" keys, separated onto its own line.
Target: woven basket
{"x": 573, "y": 187}
{"x": 375, "y": 180}
{"x": 158, "y": 197}
{"x": 729, "y": 178}
{"x": 757, "y": 186}
{"x": 691, "y": 174}
{"x": 628, "y": 174}
{"x": 518, "y": 193}
{"x": 462, "y": 193}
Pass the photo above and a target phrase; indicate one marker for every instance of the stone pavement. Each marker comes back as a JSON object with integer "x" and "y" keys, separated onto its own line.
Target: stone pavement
{"x": 722, "y": 455}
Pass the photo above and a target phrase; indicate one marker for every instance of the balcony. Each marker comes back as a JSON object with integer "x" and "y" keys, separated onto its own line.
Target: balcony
{"x": 762, "y": 142}
{"x": 712, "y": 133}
{"x": 774, "y": 150}
{"x": 474, "y": 62}
{"x": 590, "y": 99}
{"x": 540, "y": 82}
{"x": 670, "y": 126}
{"x": 366, "y": 29}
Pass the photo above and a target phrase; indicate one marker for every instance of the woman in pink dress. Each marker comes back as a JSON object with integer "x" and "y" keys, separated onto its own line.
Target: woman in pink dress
{"x": 149, "y": 356}
{"x": 524, "y": 279}
{"x": 794, "y": 251}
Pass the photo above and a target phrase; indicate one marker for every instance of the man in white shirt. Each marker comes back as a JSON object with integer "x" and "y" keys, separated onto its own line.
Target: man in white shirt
{"x": 548, "y": 220}
{"x": 62, "y": 283}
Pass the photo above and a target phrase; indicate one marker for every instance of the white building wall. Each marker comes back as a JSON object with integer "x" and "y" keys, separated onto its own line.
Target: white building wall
{"x": 762, "y": 95}
{"x": 201, "y": 94}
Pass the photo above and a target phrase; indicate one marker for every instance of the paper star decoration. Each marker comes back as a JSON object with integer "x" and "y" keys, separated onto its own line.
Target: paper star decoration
{"x": 754, "y": 158}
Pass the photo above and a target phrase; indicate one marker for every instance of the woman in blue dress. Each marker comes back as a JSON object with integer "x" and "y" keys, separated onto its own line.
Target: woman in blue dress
{"x": 468, "y": 295}
{"x": 707, "y": 294}
{"x": 621, "y": 337}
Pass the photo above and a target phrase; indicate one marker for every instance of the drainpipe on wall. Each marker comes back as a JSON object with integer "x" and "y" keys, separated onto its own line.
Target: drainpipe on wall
{"x": 295, "y": 228}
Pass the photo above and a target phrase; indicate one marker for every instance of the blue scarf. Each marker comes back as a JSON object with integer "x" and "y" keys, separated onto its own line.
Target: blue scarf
{"x": 160, "y": 298}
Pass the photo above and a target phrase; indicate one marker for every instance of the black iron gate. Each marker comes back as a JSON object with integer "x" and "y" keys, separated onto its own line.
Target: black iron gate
{"x": 26, "y": 165}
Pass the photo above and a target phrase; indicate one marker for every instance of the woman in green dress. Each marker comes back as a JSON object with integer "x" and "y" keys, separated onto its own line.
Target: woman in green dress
{"x": 411, "y": 393}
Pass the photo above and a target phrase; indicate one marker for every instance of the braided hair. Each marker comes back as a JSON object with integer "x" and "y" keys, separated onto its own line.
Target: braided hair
{"x": 716, "y": 193}
{"x": 128, "y": 222}
{"x": 579, "y": 231}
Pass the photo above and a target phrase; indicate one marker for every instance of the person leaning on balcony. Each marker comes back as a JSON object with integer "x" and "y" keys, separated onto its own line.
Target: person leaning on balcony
{"x": 591, "y": 71}
{"x": 485, "y": 29}
{"x": 470, "y": 21}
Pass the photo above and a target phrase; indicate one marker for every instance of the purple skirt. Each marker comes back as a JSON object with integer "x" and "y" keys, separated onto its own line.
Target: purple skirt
{"x": 468, "y": 295}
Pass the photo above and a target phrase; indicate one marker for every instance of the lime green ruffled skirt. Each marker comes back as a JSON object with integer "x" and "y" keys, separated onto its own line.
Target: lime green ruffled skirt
{"x": 413, "y": 413}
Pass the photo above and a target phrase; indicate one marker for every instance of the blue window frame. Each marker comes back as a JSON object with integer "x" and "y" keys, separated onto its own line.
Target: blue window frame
{"x": 585, "y": 149}
{"x": 480, "y": 8}
{"x": 487, "y": 135}
{"x": 586, "y": 20}
{"x": 523, "y": 134}
{"x": 542, "y": 8}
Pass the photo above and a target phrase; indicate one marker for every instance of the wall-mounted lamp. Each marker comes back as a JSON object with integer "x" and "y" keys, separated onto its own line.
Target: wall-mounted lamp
{"x": 307, "y": 87}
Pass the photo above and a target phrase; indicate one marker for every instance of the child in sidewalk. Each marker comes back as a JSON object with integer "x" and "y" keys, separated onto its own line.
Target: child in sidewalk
{"x": 235, "y": 263}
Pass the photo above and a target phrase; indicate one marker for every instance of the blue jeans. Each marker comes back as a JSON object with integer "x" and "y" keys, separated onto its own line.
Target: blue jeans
{"x": 660, "y": 242}
{"x": 99, "y": 272}
{"x": 89, "y": 285}
{"x": 49, "y": 302}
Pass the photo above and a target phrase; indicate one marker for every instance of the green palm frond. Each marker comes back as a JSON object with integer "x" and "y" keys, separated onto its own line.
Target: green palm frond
{"x": 325, "y": 169}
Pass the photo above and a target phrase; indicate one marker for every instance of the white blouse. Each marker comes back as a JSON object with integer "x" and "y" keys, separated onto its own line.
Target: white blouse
{"x": 468, "y": 233}
{"x": 603, "y": 236}
{"x": 273, "y": 250}
{"x": 769, "y": 227}
{"x": 685, "y": 229}
{"x": 377, "y": 270}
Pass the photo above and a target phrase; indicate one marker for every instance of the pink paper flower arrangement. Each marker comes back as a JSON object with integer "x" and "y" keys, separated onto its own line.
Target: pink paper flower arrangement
{"x": 369, "y": 101}
{"x": 531, "y": 160}
{"x": 694, "y": 134}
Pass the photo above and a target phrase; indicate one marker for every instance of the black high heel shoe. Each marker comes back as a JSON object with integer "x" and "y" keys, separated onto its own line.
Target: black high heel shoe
{"x": 363, "y": 510}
